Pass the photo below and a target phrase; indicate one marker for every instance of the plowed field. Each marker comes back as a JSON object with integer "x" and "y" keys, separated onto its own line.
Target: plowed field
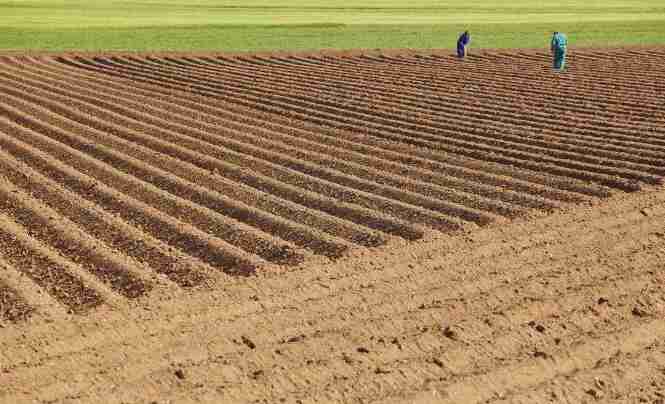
{"x": 340, "y": 226}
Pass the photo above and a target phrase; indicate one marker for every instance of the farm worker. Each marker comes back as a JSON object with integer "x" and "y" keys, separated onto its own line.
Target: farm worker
{"x": 558, "y": 48}
{"x": 462, "y": 42}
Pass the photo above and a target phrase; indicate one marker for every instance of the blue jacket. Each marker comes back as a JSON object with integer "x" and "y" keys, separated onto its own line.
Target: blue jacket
{"x": 464, "y": 39}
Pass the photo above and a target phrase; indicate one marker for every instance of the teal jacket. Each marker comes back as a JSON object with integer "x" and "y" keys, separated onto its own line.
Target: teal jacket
{"x": 559, "y": 42}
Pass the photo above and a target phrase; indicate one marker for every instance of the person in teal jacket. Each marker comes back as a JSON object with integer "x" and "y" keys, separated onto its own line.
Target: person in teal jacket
{"x": 558, "y": 48}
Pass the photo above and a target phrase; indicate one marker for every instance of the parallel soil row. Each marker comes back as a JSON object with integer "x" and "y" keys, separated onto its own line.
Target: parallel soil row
{"x": 125, "y": 177}
{"x": 625, "y": 179}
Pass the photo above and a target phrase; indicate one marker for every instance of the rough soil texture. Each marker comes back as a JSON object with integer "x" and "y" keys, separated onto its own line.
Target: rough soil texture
{"x": 335, "y": 227}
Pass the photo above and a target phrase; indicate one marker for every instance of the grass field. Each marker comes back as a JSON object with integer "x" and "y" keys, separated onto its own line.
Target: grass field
{"x": 280, "y": 24}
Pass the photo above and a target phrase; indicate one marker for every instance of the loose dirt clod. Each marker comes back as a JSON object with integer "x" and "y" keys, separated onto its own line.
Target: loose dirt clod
{"x": 540, "y": 354}
{"x": 395, "y": 341}
{"x": 438, "y": 362}
{"x": 448, "y": 332}
{"x": 248, "y": 342}
{"x": 296, "y": 338}
{"x": 597, "y": 394}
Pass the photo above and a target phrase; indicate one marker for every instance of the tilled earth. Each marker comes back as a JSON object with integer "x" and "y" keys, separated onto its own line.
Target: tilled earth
{"x": 341, "y": 226}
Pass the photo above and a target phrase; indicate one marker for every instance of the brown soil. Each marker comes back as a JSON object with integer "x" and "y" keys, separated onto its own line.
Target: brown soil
{"x": 407, "y": 227}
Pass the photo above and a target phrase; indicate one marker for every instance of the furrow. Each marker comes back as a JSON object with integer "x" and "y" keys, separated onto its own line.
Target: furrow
{"x": 175, "y": 233}
{"x": 437, "y": 131}
{"x": 566, "y": 183}
{"x": 281, "y": 156}
{"x": 488, "y": 153}
{"x": 266, "y": 202}
{"x": 535, "y": 90}
{"x": 364, "y": 155}
{"x": 45, "y": 268}
{"x": 403, "y": 205}
{"x": 533, "y": 61}
{"x": 385, "y": 100}
{"x": 403, "y": 170}
{"x": 115, "y": 233}
{"x": 447, "y": 104}
{"x": 595, "y": 77}
{"x": 35, "y": 300}
{"x": 331, "y": 160}
{"x": 142, "y": 188}
{"x": 334, "y": 191}
{"x": 208, "y": 220}
{"x": 285, "y": 136}
{"x": 595, "y": 71}
{"x": 217, "y": 159}
{"x": 417, "y": 73}
{"x": 359, "y": 120}
{"x": 366, "y": 217}
{"x": 561, "y": 81}
{"x": 68, "y": 240}
{"x": 451, "y": 84}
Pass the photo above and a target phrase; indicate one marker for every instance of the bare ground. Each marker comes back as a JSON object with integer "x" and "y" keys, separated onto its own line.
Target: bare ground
{"x": 362, "y": 226}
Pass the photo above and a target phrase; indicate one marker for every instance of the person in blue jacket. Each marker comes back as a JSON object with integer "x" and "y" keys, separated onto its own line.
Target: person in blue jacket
{"x": 462, "y": 43}
{"x": 558, "y": 47}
